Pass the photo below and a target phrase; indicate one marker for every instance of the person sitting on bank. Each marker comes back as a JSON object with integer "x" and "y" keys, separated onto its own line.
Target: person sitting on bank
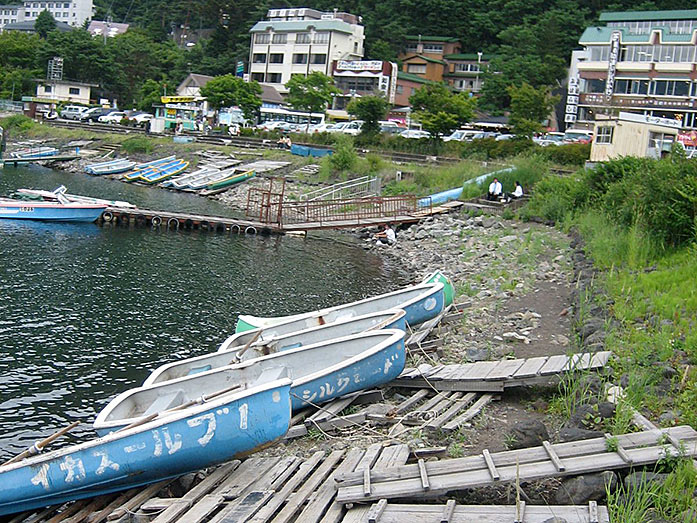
{"x": 517, "y": 192}
{"x": 387, "y": 236}
{"x": 495, "y": 190}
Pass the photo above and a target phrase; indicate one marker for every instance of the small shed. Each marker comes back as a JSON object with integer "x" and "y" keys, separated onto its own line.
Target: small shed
{"x": 631, "y": 134}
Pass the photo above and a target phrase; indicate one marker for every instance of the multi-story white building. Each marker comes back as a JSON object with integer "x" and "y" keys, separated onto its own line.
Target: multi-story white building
{"x": 642, "y": 62}
{"x": 10, "y": 14}
{"x": 301, "y": 41}
{"x": 72, "y": 12}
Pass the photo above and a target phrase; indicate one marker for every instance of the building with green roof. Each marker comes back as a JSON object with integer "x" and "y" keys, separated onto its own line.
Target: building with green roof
{"x": 637, "y": 61}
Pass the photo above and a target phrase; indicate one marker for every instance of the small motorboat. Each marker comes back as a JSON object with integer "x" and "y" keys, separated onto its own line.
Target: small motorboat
{"x": 52, "y": 211}
{"x": 34, "y": 153}
{"x": 76, "y": 198}
{"x": 111, "y": 167}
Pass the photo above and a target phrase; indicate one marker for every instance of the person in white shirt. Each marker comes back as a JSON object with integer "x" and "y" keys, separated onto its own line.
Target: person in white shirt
{"x": 495, "y": 190}
{"x": 518, "y": 191}
{"x": 386, "y": 237}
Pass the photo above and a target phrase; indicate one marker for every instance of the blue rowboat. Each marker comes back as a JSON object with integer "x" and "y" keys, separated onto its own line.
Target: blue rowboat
{"x": 158, "y": 174}
{"x": 229, "y": 425}
{"x": 34, "y": 152}
{"x": 262, "y": 342}
{"x": 50, "y": 211}
{"x": 421, "y": 303}
{"x": 139, "y": 168}
{"x": 320, "y": 373}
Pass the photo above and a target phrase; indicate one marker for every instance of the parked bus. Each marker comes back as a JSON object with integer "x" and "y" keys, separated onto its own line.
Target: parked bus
{"x": 270, "y": 114}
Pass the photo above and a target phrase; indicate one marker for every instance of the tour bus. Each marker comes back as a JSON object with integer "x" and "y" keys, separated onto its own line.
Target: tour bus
{"x": 267, "y": 114}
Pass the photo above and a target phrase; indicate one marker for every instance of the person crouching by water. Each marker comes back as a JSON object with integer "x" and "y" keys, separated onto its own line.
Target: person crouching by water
{"x": 387, "y": 236}
{"x": 495, "y": 190}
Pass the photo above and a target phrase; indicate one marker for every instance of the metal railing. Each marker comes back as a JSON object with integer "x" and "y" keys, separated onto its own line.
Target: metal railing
{"x": 354, "y": 211}
{"x": 9, "y": 105}
{"x": 356, "y": 188}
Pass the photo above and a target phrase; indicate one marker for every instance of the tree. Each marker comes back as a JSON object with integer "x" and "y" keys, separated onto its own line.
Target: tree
{"x": 45, "y": 23}
{"x": 370, "y": 109}
{"x": 440, "y": 110}
{"x": 529, "y": 108}
{"x": 230, "y": 90}
{"x": 311, "y": 93}
{"x": 150, "y": 93}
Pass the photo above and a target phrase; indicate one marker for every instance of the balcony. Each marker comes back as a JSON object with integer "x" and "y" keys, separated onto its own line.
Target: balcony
{"x": 637, "y": 101}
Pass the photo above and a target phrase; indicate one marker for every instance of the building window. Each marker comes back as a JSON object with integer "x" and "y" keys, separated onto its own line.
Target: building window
{"x": 319, "y": 58}
{"x": 599, "y": 53}
{"x": 321, "y": 38}
{"x": 361, "y": 84}
{"x": 604, "y": 135}
{"x": 262, "y": 38}
{"x": 302, "y": 38}
{"x": 467, "y": 68}
{"x": 273, "y": 78}
{"x": 47, "y": 88}
{"x": 74, "y": 90}
{"x": 631, "y": 87}
{"x": 400, "y": 89}
{"x": 299, "y": 58}
{"x": 661, "y": 141}
{"x": 412, "y": 48}
{"x": 258, "y": 77}
{"x": 279, "y": 38}
{"x": 595, "y": 85}
{"x": 416, "y": 68}
{"x": 670, "y": 88}
{"x": 276, "y": 58}
{"x": 433, "y": 48}
{"x": 259, "y": 58}
{"x": 412, "y": 90}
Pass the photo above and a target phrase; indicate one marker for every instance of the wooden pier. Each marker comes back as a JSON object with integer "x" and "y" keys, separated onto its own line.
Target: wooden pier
{"x": 17, "y": 161}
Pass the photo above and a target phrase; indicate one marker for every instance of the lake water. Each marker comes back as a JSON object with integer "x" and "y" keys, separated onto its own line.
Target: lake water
{"x": 88, "y": 311}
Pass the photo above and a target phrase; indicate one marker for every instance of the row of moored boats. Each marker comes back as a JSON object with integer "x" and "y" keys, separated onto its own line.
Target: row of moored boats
{"x": 201, "y": 411}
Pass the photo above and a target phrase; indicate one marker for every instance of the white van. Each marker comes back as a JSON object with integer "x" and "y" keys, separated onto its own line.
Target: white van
{"x": 461, "y": 135}
{"x": 72, "y": 112}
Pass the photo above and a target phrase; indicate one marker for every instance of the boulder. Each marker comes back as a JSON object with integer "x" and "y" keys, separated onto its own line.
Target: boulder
{"x": 577, "y": 434}
{"x": 635, "y": 479}
{"x": 590, "y": 326}
{"x": 527, "y": 433}
{"x": 582, "y": 489}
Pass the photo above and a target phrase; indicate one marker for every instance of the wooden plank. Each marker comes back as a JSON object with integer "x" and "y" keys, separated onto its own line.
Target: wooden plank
{"x": 366, "y": 482}
{"x": 456, "y": 407}
{"x": 553, "y": 456}
{"x": 247, "y": 507}
{"x": 297, "y": 431}
{"x": 209, "y": 483}
{"x": 376, "y": 511}
{"x": 448, "y": 511}
{"x": 504, "y": 370}
{"x": 322, "y": 504}
{"x": 101, "y": 515}
{"x": 370, "y": 457}
{"x": 410, "y": 402}
{"x": 554, "y": 364}
{"x": 288, "y": 486}
{"x": 301, "y": 496}
{"x": 476, "y": 371}
{"x": 469, "y": 478}
{"x": 490, "y": 465}
{"x": 600, "y": 359}
{"x": 593, "y": 512}
{"x": 581, "y": 448}
{"x": 331, "y": 410}
{"x": 136, "y": 501}
{"x": 68, "y": 511}
{"x": 610, "y": 439}
{"x": 470, "y": 413}
{"x": 531, "y": 367}
{"x": 391, "y": 456}
{"x": 424, "y": 475}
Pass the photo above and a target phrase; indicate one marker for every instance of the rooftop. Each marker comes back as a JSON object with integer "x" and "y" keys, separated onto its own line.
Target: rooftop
{"x": 99, "y": 28}
{"x": 401, "y": 75}
{"x": 602, "y": 35}
{"x": 468, "y": 56}
{"x": 431, "y": 38}
{"x": 302, "y": 25}
{"x": 28, "y": 26}
{"x": 633, "y": 16}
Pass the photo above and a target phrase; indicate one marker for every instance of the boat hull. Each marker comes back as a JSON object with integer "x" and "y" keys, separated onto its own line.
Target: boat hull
{"x": 420, "y": 302}
{"x": 226, "y": 182}
{"x": 243, "y": 347}
{"x": 215, "y": 432}
{"x": 46, "y": 211}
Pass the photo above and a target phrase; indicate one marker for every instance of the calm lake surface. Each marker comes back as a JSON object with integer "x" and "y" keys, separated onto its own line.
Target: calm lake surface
{"x": 87, "y": 312}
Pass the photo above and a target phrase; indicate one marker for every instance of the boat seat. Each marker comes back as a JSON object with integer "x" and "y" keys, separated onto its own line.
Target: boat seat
{"x": 165, "y": 401}
{"x": 197, "y": 370}
{"x": 269, "y": 375}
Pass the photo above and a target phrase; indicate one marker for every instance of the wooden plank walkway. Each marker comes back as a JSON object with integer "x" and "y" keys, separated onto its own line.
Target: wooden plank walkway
{"x": 495, "y": 376}
{"x": 259, "y": 490}
{"x": 549, "y": 460}
{"x": 20, "y": 161}
{"x": 453, "y": 513}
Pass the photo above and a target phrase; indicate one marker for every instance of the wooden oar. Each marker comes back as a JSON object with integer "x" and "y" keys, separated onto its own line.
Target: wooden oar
{"x": 37, "y": 447}
{"x": 188, "y": 404}
{"x": 238, "y": 355}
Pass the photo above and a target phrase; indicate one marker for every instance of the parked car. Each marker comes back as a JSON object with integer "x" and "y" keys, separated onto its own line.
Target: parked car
{"x": 415, "y": 133}
{"x": 502, "y": 137}
{"x": 141, "y": 118}
{"x": 320, "y": 128}
{"x": 578, "y": 136}
{"x": 337, "y": 127}
{"x": 550, "y": 138}
{"x": 92, "y": 114}
{"x": 72, "y": 112}
{"x": 270, "y": 125}
{"x": 461, "y": 135}
{"x": 389, "y": 127}
{"x": 112, "y": 117}
{"x": 353, "y": 128}
{"x": 481, "y": 135}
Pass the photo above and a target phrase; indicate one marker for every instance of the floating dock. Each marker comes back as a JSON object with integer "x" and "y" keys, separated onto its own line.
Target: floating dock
{"x": 18, "y": 161}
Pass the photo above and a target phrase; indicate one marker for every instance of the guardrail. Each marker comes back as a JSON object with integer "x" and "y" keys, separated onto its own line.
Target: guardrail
{"x": 12, "y": 106}
{"x": 358, "y": 187}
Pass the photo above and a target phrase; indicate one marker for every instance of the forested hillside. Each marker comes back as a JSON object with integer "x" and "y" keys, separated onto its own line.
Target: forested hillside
{"x": 533, "y": 39}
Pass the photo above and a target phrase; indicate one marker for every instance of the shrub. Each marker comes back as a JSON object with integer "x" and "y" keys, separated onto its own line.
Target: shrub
{"x": 137, "y": 144}
{"x": 570, "y": 154}
{"x": 17, "y": 123}
{"x": 557, "y": 197}
{"x": 489, "y": 148}
{"x": 345, "y": 156}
